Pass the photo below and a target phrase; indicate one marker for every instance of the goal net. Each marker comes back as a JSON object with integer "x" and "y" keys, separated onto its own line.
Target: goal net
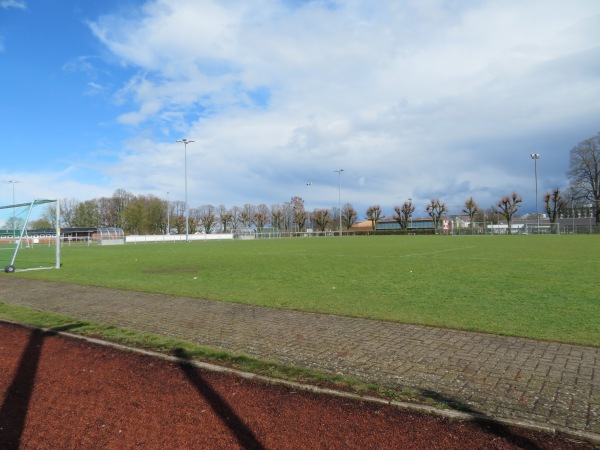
{"x": 244, "y": 233}
{"x": 30, "y": 236}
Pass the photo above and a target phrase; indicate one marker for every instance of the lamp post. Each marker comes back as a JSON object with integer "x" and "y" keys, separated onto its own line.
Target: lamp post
{"x": 307, "y": 210}
{"x": 339, "y": 172}
{"x": 410, "y": 206}
{"x": 13, "y": 198}
{"x": 535, "y": 157}
{"x": 187, "y": 210}
{"x": 168, "y": 215}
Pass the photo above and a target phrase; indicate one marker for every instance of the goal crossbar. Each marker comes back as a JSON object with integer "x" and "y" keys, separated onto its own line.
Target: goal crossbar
{"x": 30, "y": 204}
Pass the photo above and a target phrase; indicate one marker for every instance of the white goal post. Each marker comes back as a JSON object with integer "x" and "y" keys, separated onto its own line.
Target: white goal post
{"x": 16, "y": 235}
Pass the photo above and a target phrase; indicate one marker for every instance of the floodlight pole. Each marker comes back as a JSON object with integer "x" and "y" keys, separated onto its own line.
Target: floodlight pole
{"x": 13, "y": 192}
{"x": 57, "y": 265}
{"x": 168, "y": 215}
{"x": 535, "y": 157}
{"x": 308, "y": 212}
{"x": 187, "y": 210}
{"x": 339, "y": 172}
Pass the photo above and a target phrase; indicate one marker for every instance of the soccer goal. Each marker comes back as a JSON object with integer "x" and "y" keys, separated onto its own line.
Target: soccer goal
{"x": 244, "y": 233}
{"x": 24, "y": 244}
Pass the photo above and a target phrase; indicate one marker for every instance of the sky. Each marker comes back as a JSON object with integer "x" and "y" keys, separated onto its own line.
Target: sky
{"x": 413, "y": 99}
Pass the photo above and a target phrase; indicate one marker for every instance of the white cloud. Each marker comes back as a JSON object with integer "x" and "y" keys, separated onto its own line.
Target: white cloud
{"x": 5, "y": 4}
{"x": 411, "y": 98}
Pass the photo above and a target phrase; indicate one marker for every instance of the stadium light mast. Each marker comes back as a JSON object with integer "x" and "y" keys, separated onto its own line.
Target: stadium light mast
{"x": 13, "y": 197}
{"x": 168, "y": 215}
{"x": 535, "y": 157}
{"x": 309, "y": 184}
{"x": 339, "y": 172}
{"x": 187, "y": 209}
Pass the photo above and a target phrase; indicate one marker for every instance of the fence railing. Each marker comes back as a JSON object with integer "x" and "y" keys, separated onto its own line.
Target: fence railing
{"x": 151, "y": 238}
{"x": 523, "y": 228}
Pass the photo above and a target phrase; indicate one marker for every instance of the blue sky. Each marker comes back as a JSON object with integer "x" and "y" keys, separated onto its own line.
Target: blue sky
{"x": 414, "y": 99}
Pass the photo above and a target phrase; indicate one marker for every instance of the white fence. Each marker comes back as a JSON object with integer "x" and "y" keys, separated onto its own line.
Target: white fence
{"x": 148, "y": 238}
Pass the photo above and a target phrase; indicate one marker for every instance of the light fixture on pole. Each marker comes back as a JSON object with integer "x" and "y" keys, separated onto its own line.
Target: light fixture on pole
{"x": 535, "y": 157}
{"x": 187, "y": 210}
{"x": 339, "y": 172}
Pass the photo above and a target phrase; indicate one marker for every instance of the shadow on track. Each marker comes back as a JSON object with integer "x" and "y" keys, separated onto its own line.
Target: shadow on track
{"x": 242, "y": 432}
{"x": 16, "y": 401}
{"x": 485, "y": 422}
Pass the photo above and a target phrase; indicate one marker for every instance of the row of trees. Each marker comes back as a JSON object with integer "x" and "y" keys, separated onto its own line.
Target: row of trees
{"x": 152, "y": 215}
{"x": 506, "y": 208}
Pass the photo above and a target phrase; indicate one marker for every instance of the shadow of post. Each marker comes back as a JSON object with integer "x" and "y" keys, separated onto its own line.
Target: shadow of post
{"x": 16, "y": 401}
{"x": 486, "y": 422}
{"x": 242, "y": 432}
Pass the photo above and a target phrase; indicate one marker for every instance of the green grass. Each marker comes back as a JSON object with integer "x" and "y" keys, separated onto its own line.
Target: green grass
{"x": 542, "y": 287}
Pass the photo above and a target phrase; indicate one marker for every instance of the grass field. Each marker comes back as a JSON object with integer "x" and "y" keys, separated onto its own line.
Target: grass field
{"x": 543, "y": 287}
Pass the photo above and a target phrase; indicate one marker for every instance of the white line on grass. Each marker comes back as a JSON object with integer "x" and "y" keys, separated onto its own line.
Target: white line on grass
{"x": 437, "y": 251}
{"x": 399, "y": 256}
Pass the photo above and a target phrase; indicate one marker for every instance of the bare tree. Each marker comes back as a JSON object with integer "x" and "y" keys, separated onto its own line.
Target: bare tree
{"x": 247, "y": 215}
{"x": 471, "y": 209}
{"x": 335, "y": 216}
{"x": 322, "y": 218}
{"x": 436, "y": 209}
{"x": 67, "y": 212}
{"x": 277, "y": 218}
{"x": 374, "y": 214}
{"x": 288, "y": 216}
{"x": 120, "y": 200}
{"x": 300, "y": 218}
{"x": 235, "y": 217}
{"x": 178, "y": 222}
{"x": 299, "y": 214}
{"x": 224, "y": 217}
{"x": 507, "y": 206}
{"x": 349, "y": 216}
{"x": 208, "y": 217}
{"x": 261, "y": 216}
{"x": 178, "y": 216}
{"x": 106, "y": 208}
{"x": 297, "y": 202}
{"x": 194, "y": 220}
{"x": 584, "y": 171}
{"x": 403, "y": 214}
{"x": 554, "y": 204}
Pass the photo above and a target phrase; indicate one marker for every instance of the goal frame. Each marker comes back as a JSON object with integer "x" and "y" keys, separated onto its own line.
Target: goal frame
{"x": 10, "y": 268}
